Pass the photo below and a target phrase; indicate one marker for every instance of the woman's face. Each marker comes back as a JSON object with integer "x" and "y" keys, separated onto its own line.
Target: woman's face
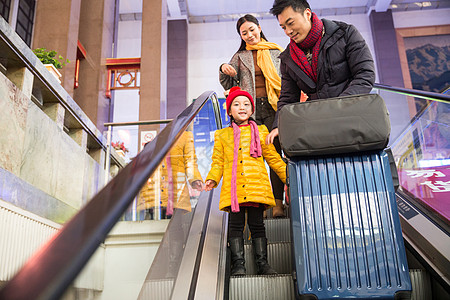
{"x": 250, "y": 33}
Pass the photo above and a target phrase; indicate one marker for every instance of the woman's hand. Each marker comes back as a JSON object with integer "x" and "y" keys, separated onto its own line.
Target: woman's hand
{"x": 229, "y": 70}
{"x": 271, "y": 136}
{"x": 286, "y": 195}
{"x": 197, "y": 185}
{"x": 209, "y": 184}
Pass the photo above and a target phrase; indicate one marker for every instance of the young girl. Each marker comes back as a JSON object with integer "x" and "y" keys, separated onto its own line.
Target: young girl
{"x": 239, "y": 153}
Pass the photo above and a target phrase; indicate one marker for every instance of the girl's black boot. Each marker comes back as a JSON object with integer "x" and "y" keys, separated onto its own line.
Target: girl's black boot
{"x": 260, "y": 252}
{"x": 237, "y": 256}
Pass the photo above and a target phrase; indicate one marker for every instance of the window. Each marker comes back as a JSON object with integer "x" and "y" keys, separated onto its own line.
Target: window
{"x": 25, "y": 19}
{"x": 5, "y": 6}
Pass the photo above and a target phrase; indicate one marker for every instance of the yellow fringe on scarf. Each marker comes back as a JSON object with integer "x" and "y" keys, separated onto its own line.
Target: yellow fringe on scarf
{"x": 264, "y": 61}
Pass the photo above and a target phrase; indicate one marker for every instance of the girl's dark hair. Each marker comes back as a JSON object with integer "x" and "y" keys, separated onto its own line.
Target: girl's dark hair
{"x": 280, "y": 5}
{"x": 242, "y": 20}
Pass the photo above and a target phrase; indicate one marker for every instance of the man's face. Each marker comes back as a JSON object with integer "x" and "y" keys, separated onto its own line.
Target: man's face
{"x": 296, "y": 25}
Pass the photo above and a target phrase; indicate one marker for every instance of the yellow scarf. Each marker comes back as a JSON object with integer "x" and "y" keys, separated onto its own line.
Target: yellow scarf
{"x": 264, "y": 61}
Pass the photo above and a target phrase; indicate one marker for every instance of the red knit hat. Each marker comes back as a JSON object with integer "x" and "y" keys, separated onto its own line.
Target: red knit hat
{"x": 235, "y": 92}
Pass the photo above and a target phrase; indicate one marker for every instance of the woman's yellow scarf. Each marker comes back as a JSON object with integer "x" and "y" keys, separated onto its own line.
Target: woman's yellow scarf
{"x": 264, "y": 61}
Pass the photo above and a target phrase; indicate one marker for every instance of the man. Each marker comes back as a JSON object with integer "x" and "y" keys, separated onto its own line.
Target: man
{"x": 324, "y": 58}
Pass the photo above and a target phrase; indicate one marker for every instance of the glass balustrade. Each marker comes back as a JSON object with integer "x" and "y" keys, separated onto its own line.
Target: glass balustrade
{"x": 158, "y": 222}
{"x": 422, "y": 151}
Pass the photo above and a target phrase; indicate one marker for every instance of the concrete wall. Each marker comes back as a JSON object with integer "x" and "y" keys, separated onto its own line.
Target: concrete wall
{"x": 177, "y": 44}
{"x": 129, "y": 252}
{"x": 419, "y": 18}
{"x": 36, "y": 150}
{"x": 96, "y": 33}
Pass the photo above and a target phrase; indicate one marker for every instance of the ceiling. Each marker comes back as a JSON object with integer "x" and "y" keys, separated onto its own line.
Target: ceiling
{"x": 202, "y": 11}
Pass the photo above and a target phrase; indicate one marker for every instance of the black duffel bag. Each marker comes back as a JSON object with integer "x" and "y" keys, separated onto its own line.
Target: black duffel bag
{"x": 334, "y": 126}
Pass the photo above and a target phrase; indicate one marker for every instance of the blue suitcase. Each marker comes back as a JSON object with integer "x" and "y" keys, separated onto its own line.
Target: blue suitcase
{"x": 347, "y": 239}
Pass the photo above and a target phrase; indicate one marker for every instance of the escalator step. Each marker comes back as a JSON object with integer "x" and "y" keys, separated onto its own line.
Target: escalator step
{"x": 277, "y": 230}
{"x": 261, "y": 287}
{"x": 279, "y": 257}
{"x": 421, "y": 284}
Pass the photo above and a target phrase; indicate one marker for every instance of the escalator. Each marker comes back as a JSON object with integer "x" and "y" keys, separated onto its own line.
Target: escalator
{"x": 191, "y": 261}
{"x": 428, "y": 281}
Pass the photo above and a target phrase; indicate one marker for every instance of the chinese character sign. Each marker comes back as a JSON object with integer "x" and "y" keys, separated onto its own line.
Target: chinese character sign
{"x": 431, "y": 185}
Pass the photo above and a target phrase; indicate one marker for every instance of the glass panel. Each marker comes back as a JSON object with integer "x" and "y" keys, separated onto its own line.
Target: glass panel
{"x": 159, "y": 280}
{"x": 125, "y": 141}
{"x": 400, "y": 113}
{"x": 162, "y": 214}
{"x": 422, "y": 155}
{"x": 21, "y": 32}
{"x": 25, "y": 19}
{"x": 4, "y": 9}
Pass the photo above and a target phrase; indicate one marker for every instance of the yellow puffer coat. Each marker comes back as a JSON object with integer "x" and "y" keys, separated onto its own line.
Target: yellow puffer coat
{"x": 184, "y": 170}
{"x": 253, "y": 184}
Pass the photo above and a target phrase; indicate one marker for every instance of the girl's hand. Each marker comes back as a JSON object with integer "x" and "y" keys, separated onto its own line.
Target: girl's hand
{"x": 229, "y": 70}
{"x": 209, "y": 184}
{"x": 197, "y": 185}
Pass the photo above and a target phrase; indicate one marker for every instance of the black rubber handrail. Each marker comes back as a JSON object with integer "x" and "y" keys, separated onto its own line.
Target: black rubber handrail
{"x": 414, "y": 93}
{"x": 50, "y": 271}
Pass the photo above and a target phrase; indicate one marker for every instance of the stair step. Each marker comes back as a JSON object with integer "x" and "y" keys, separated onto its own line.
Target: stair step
{"x": 282, "y": 286}
{"x": 279, "y": 258}
{"x": 277, "y": 230}
{"x": 261, "y": 287}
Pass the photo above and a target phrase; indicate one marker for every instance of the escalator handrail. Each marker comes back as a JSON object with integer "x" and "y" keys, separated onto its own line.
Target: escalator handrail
{"x": 414, "y": 93}
{"x": 50, "y": 271}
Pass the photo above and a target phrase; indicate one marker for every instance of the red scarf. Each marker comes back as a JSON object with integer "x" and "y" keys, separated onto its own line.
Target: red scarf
{"x": 312, "y": 40}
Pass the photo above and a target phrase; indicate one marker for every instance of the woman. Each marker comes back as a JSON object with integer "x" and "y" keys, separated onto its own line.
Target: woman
{"x": 255, "y": 68}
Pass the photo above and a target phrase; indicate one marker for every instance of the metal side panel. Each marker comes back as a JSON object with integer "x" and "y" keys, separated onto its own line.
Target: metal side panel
{"x": 212, "y": 268}
{"x": 346, "y": 229}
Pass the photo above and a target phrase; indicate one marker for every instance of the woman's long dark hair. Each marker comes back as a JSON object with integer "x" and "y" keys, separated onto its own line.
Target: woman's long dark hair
{"x": 242, "y": 20}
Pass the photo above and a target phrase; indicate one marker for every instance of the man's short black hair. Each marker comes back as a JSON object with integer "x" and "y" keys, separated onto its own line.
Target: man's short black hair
{"x": 297, "y": 5}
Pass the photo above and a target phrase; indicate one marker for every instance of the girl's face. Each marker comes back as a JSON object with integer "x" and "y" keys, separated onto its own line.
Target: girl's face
{"x": 250, "y": 33}
{"x": 241, "y": 110}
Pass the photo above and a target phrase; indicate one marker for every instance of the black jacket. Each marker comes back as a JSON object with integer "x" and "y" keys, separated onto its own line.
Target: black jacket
{"x": 345, "y": 67}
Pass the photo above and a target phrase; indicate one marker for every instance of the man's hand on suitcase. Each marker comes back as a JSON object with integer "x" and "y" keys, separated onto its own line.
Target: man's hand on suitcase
{"x": 286, "y": 195}
{"x": 271, "y": 136}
